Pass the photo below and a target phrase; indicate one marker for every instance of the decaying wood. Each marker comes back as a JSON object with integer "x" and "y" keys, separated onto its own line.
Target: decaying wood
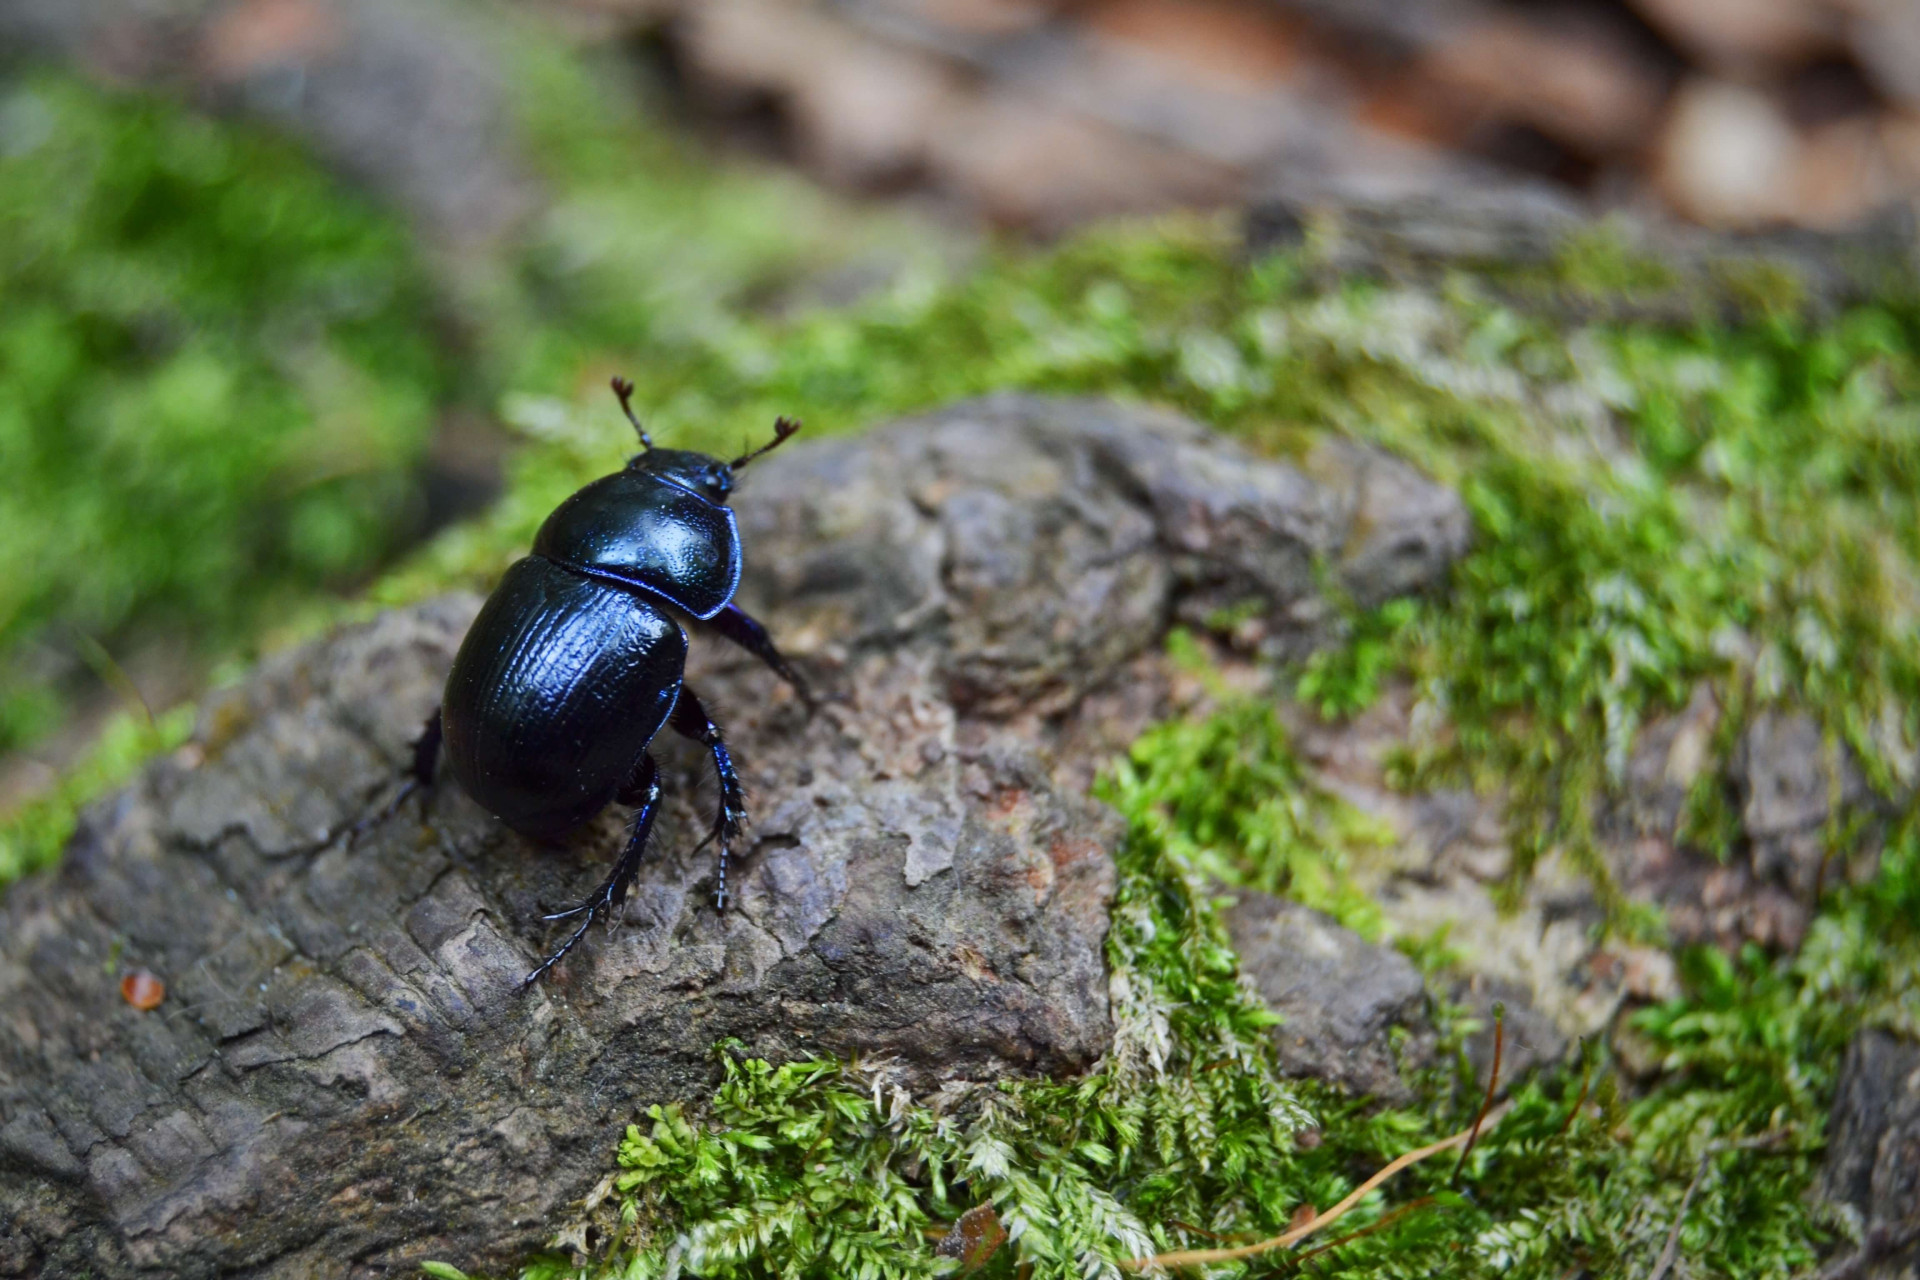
{"x": 345, "y": 1077}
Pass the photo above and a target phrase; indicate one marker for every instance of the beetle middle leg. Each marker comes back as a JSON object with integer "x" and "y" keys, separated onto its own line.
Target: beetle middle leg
{"x": 690, "y": 720}
{"x": 643, "y": 791}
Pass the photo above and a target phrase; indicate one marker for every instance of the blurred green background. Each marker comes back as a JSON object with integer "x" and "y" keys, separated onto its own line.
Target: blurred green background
{"x": 219, "y": 371}
{"x": 235, "y": 382}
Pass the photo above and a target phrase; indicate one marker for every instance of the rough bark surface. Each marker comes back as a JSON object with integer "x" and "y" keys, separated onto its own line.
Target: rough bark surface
{"x": 1873, "y": 1155}
{"x": 344, "y": 1076}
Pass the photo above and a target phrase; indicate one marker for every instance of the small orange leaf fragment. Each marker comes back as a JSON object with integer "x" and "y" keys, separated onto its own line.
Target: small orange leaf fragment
{"x": 974, "y": 1238}
{"x": 142, "y": 990}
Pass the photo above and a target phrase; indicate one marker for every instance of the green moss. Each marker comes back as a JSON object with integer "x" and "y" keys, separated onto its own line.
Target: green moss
{"x": 1602, "y": 263}
{"x": 1344, "y": 679}
{"x": 1184, "y": 1134}
{"x": 1761, "y": 287}
{"x": 1240, "y": 809}
{"x": 215, "y": 375}
{"x": 35, "y": 834}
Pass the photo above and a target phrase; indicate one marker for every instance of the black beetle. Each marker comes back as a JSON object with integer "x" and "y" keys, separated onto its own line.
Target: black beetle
{"x": 573, "y": 664}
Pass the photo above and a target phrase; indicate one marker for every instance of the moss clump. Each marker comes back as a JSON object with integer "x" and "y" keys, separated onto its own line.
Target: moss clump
{"x": 1240, "y": 809}
{"x": 1184, "y": 1136}
{"x": 216, "y": 373}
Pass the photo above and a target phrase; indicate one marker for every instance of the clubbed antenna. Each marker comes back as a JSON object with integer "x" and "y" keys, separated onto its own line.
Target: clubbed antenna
{"x": 782, "y": 428}
{"x": 624, "y": 389}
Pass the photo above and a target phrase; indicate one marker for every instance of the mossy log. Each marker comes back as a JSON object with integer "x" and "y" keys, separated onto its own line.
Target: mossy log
{"x": 1542, "y": 250}
{"x": 345, "y": 1076}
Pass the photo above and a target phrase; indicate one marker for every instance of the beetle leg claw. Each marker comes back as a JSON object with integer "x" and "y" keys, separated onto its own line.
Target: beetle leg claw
{"x": 613, "y": 890}
{"x": 386, "y": 811}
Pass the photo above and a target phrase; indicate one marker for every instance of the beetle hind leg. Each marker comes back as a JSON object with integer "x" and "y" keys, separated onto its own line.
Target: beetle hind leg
{"x": 426, "y": 754}
{"x": 690, "y": 720}
{"x": 643, "y": 791}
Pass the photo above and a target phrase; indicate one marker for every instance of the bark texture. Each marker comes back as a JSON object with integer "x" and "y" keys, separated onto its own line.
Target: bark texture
{"x": 1873, "y": 1156}
{"x": 344, "y": 1076}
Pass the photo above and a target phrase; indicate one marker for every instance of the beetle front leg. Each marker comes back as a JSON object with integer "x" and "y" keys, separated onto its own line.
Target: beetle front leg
{"x": 741, "y": 627}
{"x": 690, "y": 720}
{"x": 644, "y": 791}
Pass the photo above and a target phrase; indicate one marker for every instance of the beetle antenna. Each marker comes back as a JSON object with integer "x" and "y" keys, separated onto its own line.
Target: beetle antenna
{"x": 624, "y": 389}
{"x": 782, "y": 428}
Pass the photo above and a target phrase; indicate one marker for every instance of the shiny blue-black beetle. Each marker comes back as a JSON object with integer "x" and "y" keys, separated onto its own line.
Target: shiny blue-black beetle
{"x": 575, "y": 661}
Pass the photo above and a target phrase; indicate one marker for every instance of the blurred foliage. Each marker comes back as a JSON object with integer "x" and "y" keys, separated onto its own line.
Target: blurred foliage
{"x": 647, "y": 249}
{"x": 216, "y": 369}
{"x": 220, "y": 367}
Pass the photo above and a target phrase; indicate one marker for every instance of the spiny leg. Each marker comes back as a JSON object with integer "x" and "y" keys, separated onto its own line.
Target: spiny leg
{"x": 426, "y": 754}
{"x": 739, "y": 626}
{"x": 690, "y": 720}
{"x": 642, "y": 790}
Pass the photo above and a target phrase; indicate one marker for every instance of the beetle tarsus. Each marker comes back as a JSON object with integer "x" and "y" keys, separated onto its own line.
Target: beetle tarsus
{"x": 645, "y": 789}
{"x": 554, "y": 959}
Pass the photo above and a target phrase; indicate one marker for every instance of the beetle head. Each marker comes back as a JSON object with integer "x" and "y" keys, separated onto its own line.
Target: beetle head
{"x": 697, "y": 473}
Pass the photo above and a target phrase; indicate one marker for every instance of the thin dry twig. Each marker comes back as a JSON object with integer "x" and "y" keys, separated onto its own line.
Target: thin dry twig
{"x": 1493, "y": 1082}
{"x": 1586, "y": 1083}
{"x": 1671, "y": 1253}
{"x": 1200, "y": 1257}
{"x": 1486, "y": 1118}
{"x": 1411, "y": 1206}
{"x": 1664, "y": 1262}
